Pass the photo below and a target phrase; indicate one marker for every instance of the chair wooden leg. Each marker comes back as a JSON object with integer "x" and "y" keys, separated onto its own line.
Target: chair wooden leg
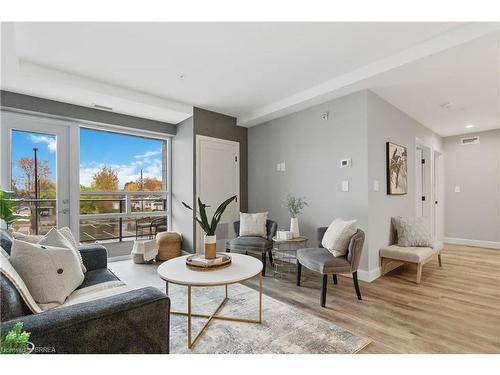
{"x": 356, "y": 285}
{"x": 299, "y": 273}
{"x": 419, "y": 272}
{"x": 271, "y": 260}
{"x": 264, "y": 261}
{"x": 324, "y": 286}
{"x": 439, "y": 260}
{"x": 334, "y": 277}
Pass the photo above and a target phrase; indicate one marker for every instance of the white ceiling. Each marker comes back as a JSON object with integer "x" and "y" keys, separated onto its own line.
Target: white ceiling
{"x": 259, "y": 71}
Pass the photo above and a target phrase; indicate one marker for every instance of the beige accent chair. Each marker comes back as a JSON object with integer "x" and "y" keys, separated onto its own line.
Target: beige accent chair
{"x": 393, "y": 256}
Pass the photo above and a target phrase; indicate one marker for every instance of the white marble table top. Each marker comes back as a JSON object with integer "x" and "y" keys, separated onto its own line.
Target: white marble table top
{"x": 242, "y": 267}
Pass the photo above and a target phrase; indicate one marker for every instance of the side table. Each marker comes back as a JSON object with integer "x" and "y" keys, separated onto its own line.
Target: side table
{"x": 285, "y": 255}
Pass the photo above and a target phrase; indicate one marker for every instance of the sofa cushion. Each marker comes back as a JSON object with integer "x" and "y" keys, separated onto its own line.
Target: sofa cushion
{"x": 249, "y": 243}
{"x": 50, "y": 273}
{"x": 62, "y": 238}
{"x": 97, "y": 276}
{"x": 31, "y": 238}
{"x": 408, "y": 254}
{"x": 5, "y": 240}
{"x": 322, "y": 261}
{"x": 338, "y": 235}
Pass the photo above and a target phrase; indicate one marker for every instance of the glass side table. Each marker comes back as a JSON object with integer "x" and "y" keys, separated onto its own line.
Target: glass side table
{"x": 285, "y": 255}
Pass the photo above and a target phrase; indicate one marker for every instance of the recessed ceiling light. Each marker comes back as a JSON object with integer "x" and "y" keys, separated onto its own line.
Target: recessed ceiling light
{"x": 469, "y": 126}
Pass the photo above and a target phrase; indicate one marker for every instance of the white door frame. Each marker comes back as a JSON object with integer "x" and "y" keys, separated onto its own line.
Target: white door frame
{"x": 199, "y": 139}
{"x": 429, "y": 190}
{"x": 65, "y": 160}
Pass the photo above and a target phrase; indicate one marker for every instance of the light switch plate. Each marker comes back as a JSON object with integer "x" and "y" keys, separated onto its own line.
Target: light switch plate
{"x": 345, "y": 185}
{"x": 376, "y": 185}
{"x": 283, "y": 166}
{"x": 457, "y": 189}
{"x": 278, "y": 167}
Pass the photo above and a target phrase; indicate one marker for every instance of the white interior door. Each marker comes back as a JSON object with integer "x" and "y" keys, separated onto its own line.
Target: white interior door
{"x": 44, "y": 201}
{"x": 217, "y": 179}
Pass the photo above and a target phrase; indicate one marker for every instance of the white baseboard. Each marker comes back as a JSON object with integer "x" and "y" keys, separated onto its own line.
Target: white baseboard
{"x": 474, "y": 243}
{"x": 367, "y": 276}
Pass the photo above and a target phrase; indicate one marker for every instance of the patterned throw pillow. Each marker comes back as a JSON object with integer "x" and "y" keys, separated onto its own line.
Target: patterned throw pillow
{"x": 412, "y": 231}
{"x": 338, "y": 235}
{"x": 253, "y": 224}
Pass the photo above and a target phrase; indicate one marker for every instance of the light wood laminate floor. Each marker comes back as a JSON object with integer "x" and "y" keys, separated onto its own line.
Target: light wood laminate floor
{"x": 455, "y": 309}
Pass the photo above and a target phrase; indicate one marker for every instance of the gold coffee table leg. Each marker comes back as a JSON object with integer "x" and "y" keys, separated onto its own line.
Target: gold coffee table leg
{"x": 214, "y": 315}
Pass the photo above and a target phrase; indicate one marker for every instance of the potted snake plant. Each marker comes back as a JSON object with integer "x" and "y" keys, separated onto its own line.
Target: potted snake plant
{"x": 209, "y": 227}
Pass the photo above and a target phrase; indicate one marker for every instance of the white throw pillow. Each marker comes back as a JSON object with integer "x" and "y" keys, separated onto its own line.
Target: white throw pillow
{"x": 338, "y": 235}
{"x": 50, "y": 273}
{"x": 31, "y": 238}
{"x": 63, "y": 238}
{"x": 253, "y": 224}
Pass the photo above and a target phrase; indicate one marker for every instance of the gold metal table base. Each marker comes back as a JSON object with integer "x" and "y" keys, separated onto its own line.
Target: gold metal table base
{"x": 214, "y": 315}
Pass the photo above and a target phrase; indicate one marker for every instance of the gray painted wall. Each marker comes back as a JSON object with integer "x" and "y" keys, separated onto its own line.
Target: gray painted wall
{"x": 359, "y": 126}
{"x": 387, "y": 123}
{"x": 312, "y": 149}
{"x": 209, "y": 124}
{"x": 183, "y": 182}
{"x": 474, "y": 213}
{"x": 10, "y": 99}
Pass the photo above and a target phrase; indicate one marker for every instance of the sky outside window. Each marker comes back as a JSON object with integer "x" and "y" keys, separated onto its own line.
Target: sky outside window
{"x": 123, "y": 154}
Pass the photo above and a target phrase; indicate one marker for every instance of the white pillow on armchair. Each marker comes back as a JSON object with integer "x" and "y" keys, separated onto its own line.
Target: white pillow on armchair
{"x": 338, "y": 235}
{"x": 253, "y": 224}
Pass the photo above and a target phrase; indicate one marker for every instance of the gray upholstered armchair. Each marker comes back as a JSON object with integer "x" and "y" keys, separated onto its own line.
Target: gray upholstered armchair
{"x": 253, "y": 244}
{"x": 322, "y": 261}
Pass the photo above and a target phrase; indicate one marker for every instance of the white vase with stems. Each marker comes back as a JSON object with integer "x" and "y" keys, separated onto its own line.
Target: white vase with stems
{"x": 294, "y": 227}
{"x": 295, "y": 207}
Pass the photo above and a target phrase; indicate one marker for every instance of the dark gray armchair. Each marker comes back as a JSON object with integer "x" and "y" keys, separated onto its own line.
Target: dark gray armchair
{"x": 322, "y": 261}
{"x": 253, "y": 244}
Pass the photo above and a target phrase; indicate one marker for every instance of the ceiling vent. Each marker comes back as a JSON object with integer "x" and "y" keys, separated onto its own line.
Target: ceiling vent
{"x": 469, "y": 140}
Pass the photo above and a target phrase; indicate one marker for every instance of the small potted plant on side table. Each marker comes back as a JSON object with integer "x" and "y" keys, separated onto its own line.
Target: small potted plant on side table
{"x": 295, "y": 207}
{"x": 16, "y": 341}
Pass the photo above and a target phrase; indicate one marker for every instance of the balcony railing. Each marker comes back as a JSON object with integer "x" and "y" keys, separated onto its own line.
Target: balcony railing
{"x": 104, "y": 216}
{"x": 113, "y": 215}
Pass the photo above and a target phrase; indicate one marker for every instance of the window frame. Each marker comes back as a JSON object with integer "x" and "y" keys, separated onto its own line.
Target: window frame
{"x": 167, "y": 169}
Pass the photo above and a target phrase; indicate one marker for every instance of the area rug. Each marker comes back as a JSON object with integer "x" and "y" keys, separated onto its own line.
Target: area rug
{"x": 285, "y": 329}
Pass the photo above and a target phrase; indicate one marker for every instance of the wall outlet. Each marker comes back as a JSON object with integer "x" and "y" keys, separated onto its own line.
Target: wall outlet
{"x": 283, "y": 168}
{"x": 376, "y": 185}
{"x": 345, "y": 163}
{"x": 324, "y": 116}
{"x": 345, "y": 185}
{"x": 457, "y": 189}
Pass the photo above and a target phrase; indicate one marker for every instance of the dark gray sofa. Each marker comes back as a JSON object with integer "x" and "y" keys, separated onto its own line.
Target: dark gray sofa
{"x": 133, "y": 322}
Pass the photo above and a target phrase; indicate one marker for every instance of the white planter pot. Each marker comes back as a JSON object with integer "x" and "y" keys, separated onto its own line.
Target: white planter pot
{"x": 294, "y": 227}
{"x": 210, "y": 248}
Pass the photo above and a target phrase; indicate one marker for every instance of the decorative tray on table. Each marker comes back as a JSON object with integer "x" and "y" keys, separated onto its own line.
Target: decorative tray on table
{"x": 198, "y": 262}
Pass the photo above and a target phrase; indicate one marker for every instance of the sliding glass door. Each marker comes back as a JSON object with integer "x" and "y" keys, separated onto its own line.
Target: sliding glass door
{"x": 34, "y": 162}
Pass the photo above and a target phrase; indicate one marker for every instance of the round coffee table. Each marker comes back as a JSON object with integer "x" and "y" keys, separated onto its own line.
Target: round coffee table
{"x": 243, "y": 267}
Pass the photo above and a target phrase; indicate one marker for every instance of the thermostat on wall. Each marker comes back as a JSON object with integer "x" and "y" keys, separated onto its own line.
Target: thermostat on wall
{"x": 345, "y": 163}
